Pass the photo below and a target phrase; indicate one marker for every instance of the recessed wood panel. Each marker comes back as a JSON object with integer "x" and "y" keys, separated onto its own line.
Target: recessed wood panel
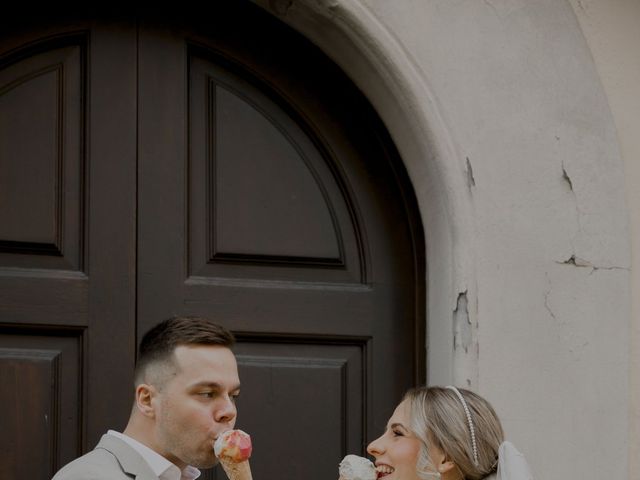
{"x": 41, "y": 155}
{"x": 263, "y": 182}
{"x": 30, "y": 387}
{"x": 260, "y": 185}
{"x": 30, "y": 160}
{"x": 40, "y": 378}
{"x": 287, "y": 386}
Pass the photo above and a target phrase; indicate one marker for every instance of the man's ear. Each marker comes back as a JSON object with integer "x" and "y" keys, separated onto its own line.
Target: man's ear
{"x": 145, "y": 395}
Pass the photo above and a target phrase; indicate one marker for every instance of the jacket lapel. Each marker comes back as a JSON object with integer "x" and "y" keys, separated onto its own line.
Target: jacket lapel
{"x": 130, "y": 461}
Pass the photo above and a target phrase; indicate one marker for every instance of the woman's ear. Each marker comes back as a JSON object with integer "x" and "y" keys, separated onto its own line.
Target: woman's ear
{"x": 446, "y": 465}
{"x": 144, "y": 399}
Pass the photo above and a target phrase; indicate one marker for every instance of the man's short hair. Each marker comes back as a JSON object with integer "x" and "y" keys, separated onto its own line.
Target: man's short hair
{"x": 158, "y": 344}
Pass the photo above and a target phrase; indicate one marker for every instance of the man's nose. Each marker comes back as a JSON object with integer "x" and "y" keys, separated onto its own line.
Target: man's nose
{"x": 226, "y": 411}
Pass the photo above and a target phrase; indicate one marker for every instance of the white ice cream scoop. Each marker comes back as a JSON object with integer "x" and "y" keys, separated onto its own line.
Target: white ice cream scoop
{"x": 353, "y": 467}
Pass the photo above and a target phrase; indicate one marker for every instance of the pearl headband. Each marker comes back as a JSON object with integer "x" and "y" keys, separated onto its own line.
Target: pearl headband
{"x": 472, "y": 430}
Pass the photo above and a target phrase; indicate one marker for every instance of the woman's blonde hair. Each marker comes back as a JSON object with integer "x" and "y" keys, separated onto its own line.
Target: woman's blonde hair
{"x": 438, "y": 417}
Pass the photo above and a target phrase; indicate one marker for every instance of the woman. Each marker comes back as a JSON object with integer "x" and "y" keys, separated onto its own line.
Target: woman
{"x": 447, "y": 433}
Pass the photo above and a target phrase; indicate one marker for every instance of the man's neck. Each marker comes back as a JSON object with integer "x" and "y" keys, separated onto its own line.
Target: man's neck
{"x": 143, "y": 432}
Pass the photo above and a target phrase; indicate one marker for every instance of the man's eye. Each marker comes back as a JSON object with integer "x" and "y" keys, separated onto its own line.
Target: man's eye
{"x": 206, "y": 394}
{"x": 234, "y": 397}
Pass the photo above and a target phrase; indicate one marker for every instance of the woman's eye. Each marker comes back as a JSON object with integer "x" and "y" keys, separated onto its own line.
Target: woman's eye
{"x": 398, "y": 433}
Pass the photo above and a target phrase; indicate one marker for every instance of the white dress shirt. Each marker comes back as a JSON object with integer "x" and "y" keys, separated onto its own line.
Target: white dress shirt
{"x": 163, "y": 468}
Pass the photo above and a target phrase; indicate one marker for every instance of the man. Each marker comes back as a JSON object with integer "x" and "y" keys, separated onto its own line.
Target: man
{"x": 186, "y": 384}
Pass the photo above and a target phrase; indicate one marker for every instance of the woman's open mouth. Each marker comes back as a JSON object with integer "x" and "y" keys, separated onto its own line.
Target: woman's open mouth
{"x": 384, "y": 470}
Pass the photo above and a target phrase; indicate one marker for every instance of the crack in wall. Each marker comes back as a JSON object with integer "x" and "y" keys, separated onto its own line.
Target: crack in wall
{"x": 566, "y": 177}
{"x": 462, "y": 334}
{"x": 582, "y": 7}
{"x": 471, "y": 181}
{"x": 546, "y": 298}
{"x": 573, "y": 339}
{"x": 493, "y": 7}
{"x": 576, "y": 261}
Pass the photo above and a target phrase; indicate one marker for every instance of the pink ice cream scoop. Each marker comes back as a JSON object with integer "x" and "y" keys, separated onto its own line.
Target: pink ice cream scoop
{"x": 233, "y": 445}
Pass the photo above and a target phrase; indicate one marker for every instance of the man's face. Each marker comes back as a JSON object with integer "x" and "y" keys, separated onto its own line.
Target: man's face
{"x": 197, "y": 404}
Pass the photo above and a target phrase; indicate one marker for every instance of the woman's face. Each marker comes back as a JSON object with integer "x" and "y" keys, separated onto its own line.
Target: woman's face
{"x": 396, "y": 450}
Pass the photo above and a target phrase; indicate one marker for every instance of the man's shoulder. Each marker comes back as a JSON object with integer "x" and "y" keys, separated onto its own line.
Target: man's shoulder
{"x": 99, "y": 464}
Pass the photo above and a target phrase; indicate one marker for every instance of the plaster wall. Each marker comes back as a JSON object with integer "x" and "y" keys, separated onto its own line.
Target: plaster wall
{"x": 501, "y": 118}
{"x": 611, "y": 31}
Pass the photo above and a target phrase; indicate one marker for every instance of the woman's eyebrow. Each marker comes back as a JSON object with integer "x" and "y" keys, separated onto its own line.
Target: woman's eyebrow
{"x": 398, "y": 425}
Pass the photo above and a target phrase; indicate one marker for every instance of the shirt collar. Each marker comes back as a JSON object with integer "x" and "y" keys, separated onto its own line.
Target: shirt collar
{"x": 163, "y": 468}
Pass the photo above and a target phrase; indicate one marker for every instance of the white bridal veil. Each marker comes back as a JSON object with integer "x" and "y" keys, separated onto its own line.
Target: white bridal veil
{"x": 512, "y": 464}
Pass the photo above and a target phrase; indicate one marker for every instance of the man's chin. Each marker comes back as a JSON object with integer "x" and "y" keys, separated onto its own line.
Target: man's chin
{"x": 205, "y": 463}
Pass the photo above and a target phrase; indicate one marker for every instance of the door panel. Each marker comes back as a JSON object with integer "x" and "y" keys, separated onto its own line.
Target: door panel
{"x": 67, "y": 243}
{"x": 41, "y": 98}
{"x": 259, "y": 186}
{"x": 40, "y": 376}
{"x": 312, "y": 395}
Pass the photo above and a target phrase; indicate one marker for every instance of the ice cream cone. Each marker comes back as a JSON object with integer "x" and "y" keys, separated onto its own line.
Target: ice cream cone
{"x": 236, "y": 470}
{"x": 233, "y": 449}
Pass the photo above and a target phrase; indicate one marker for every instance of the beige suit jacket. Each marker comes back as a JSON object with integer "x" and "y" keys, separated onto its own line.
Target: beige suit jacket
{"x": 112, "y": 459}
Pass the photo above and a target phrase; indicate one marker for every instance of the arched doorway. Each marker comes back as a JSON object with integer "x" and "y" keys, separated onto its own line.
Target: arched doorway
{"x": 220, "y": 167}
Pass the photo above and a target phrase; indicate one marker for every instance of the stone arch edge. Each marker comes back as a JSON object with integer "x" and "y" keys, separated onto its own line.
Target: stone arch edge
{"x": 399, "y": 91}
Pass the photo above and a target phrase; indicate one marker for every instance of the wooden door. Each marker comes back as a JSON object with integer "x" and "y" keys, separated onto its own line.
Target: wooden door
{"x": 271, "y": 200}
{"x": 67, "y": 241}
{"x": 216, "y": 165}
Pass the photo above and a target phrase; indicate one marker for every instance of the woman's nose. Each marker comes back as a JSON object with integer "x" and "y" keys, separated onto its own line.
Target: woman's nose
{"x": 226, "y": 412}
{"x": 376, "y": 448}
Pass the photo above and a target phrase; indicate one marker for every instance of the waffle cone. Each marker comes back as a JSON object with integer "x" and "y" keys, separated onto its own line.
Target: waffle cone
{"x": 236, "y": 470}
